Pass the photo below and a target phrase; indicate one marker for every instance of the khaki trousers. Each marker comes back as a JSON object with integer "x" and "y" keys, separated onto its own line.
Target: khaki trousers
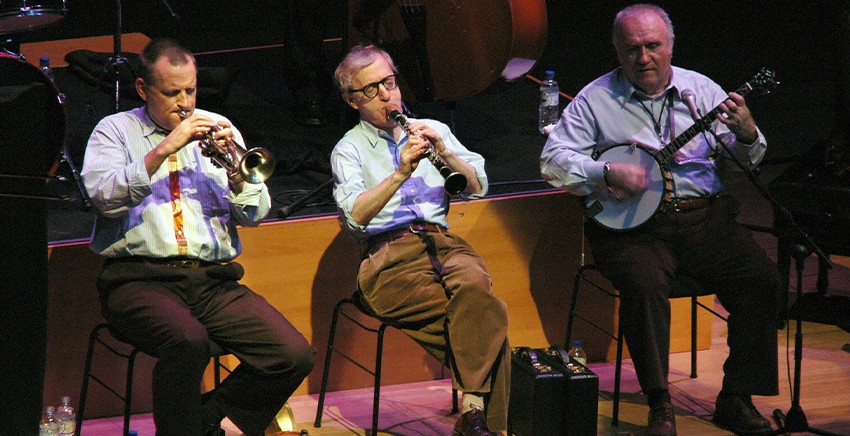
{"x": 435, "y": 288}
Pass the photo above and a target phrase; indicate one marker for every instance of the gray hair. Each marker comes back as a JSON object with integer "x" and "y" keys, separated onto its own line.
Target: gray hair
{"x": 361, "y": 56}
{"x": 639, "y": 9}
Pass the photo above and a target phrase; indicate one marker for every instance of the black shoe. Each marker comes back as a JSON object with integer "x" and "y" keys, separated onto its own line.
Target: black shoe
{"x": 212, "y": 416}
{"x": 472, "y": 423}
{"x": 737, "y": 414}
{"x": 661, "y": 421}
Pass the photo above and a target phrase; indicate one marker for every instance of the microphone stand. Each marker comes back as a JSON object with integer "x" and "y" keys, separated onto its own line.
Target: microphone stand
{"x": 117, "y": 59}
{"x": 285, "y": 211}
{"x": 114, "y": 63}
{"x": 795, "y": 420}
{"x": 81, "y": 188}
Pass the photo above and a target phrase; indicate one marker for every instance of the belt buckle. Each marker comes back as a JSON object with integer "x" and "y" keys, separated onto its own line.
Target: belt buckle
{"x": 415, "y": 229}
{"x": 676, "y": 206}
{"x": 183, "y": 263}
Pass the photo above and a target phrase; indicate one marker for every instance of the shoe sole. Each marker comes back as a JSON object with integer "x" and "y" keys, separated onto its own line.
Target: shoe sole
{"x": 764, "y": 431}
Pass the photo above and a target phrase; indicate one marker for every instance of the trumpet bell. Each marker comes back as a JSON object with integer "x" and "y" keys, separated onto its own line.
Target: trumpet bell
{"x": 257, "y": 165}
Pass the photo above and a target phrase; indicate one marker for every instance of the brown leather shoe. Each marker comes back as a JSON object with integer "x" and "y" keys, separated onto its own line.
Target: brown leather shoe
{"x": 737, "y": 414}
{"x": 472, "y": 423}
{"x": 661, "y": 421}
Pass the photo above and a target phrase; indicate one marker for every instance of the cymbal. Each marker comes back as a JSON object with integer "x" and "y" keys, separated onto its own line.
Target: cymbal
{"x": 22, "y": 18}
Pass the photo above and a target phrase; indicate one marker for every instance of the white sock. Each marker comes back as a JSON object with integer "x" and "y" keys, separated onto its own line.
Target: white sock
{"x": 471, "y": 400}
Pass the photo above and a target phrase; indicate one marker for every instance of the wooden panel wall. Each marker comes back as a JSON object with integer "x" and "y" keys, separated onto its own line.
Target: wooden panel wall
{"x": 531, "y": 244}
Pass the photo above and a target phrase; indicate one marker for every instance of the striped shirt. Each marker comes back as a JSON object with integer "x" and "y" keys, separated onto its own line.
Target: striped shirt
{"x": 134, "y": 211}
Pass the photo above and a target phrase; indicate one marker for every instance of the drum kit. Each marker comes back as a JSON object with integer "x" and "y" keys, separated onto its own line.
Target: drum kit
{"x": 16, "y": 17}
{"x": 22, "y": 15}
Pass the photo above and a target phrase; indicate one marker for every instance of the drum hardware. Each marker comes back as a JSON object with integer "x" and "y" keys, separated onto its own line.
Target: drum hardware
{"x": 27, "y": 15}
{"x": 113, "y": 64}
{"x": 15, "y": 72}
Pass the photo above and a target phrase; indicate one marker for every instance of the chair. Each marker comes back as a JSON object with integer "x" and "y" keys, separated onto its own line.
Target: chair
{"x": 95, "y": 338}
{"x": 339, "y": 309}
{"x": 681, "y": 287}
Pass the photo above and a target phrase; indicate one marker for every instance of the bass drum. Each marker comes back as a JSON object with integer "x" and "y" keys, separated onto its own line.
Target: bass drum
{"x": 32, "y": 119}
{"x": 22, "y": 15}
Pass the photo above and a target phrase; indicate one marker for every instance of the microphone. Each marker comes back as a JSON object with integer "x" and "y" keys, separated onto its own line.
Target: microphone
{"x": 690, "y": 100}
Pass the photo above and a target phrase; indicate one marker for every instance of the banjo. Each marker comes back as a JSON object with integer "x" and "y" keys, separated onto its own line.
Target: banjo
{"x": 626, "y": 214}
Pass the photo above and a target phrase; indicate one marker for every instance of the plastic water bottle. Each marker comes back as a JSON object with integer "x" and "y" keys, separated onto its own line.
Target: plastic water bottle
{"x": 49, "y": 425}
{"x": 577, "y": 352}
{"x": 549, "y": 112}
{"x": 67, "y": 416}
{"x": 44, "y": 64}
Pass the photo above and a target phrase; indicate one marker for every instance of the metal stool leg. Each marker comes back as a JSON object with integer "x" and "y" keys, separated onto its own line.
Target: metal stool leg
{"x": 81, "y": 408}
{"x": 128, "y": 392}
{"x": 694, "y": 335}
{"x": 618, "y": 370}
{"x": 323, "y": 390}
{"x": 379, "y": 352}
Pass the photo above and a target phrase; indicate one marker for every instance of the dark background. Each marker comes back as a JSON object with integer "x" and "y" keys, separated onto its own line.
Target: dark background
{"x": 727, "y": 40}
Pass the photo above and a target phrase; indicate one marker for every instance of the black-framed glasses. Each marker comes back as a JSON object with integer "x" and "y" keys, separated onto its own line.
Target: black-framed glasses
{"x": 371, "y": 90}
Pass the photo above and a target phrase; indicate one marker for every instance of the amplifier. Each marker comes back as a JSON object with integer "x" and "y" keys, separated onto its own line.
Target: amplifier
{"x": 551, "y": 394}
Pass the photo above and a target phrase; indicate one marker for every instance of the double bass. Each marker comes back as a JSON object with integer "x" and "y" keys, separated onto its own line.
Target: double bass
{"x": 449, "y": 50}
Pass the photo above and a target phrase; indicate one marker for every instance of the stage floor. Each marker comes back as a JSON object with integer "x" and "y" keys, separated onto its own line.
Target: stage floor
{"x": 424, "y": 408}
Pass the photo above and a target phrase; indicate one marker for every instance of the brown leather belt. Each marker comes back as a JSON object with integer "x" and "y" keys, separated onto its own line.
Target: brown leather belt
{"x": 391, "y": 235}
{"x": 686, "y": 204}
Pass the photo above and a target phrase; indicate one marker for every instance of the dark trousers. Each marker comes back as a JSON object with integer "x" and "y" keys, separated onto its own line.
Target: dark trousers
{"x": 174, "y": 313}
{"x": 710, "y": 247}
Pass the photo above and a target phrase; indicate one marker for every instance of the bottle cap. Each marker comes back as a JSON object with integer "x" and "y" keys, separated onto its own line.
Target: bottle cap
{"x": 44, "y": 61}
{"x": 577, "y": 343}
{"x": 550, "y": 74}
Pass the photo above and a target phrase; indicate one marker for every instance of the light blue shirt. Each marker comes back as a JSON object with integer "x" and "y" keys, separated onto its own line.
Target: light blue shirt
{"x": 608, "y": 112}
{"x": 365, "y": 156}
{"x": 134, "y": 212}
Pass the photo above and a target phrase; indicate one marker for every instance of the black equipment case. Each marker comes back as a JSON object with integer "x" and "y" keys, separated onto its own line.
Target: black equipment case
{"x": 551, "y": 394}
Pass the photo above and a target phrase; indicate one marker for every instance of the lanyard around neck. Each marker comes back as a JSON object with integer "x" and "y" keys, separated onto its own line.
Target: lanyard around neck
{"x": 657, "y": 124}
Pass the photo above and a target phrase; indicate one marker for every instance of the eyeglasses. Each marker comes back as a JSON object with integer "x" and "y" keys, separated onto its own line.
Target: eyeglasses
{"x": 371, "y": 90}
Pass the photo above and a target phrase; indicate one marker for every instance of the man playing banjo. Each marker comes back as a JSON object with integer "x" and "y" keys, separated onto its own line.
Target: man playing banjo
{"x": 691, "y": 231}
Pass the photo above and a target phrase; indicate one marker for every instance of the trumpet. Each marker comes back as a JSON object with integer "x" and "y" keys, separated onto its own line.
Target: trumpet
{"x": 254, "y": 165}
{"x": 455, "y": 182}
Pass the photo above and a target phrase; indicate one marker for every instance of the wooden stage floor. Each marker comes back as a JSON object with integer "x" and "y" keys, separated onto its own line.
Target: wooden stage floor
{"x": 424, "y": 408}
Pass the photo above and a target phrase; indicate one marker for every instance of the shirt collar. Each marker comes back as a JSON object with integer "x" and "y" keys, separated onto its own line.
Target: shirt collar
{"x": 149, "y": 127}
{"x": 627, "y": 90}
{"x": 374, "y": 135}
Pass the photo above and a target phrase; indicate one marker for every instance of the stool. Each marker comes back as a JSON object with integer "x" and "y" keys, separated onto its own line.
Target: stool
{"x": 682, "y": 286}
{"x": 339, "y": 309}
{"x": 94, "y": 339}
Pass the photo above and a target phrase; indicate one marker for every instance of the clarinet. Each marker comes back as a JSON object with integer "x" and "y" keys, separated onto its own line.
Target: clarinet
{"x": 455, "y": 182}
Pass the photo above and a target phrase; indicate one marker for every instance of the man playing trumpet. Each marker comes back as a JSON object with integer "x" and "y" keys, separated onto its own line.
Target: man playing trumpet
{"x": 414, "y": 274}
{"x": 167, "y": 224}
